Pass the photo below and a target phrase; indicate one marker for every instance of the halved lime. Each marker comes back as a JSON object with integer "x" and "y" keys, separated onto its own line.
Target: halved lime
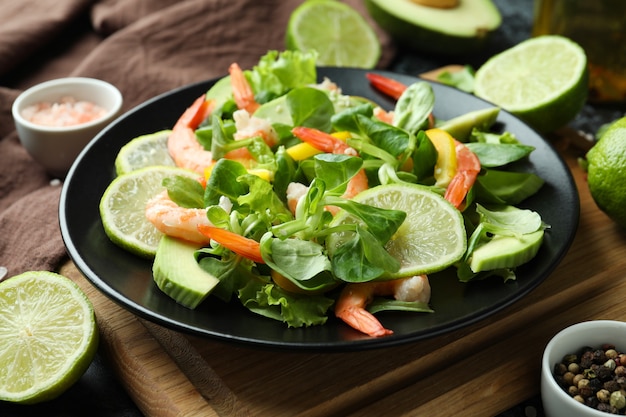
{"x": 144, "y": 151}
{"x": 123, "y": 205}
{"x": 543, "y": 80}
{"x": 340, "y": 35}
{"x": 432, "y": 236}
{"x": 49, "y": 336}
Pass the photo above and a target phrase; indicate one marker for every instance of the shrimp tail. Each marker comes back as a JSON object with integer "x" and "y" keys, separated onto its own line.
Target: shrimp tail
{"x": 322, "y": 141}
{"x": 363, "y": 321}
{"x": 242, "y": 91}
{"x": 182, "y": 144}
{"x": 385, "y": 85}
{"x": 196, "y": 113}
{"x": 468, "y": 168}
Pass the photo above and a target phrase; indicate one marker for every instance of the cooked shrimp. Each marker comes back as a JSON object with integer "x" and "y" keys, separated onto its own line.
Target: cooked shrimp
{"x": 354, "y": 297}
{"x": 295, "y": 192}
{"x": 171, "y": 219}
{"x": 383, "y": 116}
{"x": 329, "y": 85}
{"x": 330, "y": 144}
{"x": 182, "y": 144}
{"x": 468, "y": 167}
{"x": 242, "y": 91}
{"x": 393, "y": 89}
{"x": 249, "y": 126}
{"x": 386, "y": 85}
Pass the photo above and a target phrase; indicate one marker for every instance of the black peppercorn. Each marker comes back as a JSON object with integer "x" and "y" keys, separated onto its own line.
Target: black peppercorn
{"x": 611, "y": 385}
{"x": 595, "y": 377}
{"x": 604, "y": 374}
{"x": 595, "y": 384}
{"x": 586, "y": 359}
{"x": 599, "y": 356}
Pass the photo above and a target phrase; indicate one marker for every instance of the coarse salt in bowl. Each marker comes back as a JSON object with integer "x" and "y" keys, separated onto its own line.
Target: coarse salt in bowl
{"x": 57, "y": 118}
{"x": 557, "y": 402}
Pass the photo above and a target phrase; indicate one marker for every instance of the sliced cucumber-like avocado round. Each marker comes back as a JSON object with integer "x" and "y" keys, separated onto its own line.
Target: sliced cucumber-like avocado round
{"x": 506, "y": 252}
{"x": 461, "y": 126}
{"x": 177, "y": 273}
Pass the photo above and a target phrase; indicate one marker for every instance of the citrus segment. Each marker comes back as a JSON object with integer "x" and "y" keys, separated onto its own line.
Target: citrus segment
{"x": 340, "y": 35}
{"x": 144, "y": 151}
{"x": 542, "y": 80}
{"x": 123, "y": 204}
{"x": 432, "y": 236}
{"x": 49, "y": 336}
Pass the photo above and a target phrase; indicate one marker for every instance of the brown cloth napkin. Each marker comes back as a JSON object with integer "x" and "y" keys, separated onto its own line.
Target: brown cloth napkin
{"x": 145, "y": 48}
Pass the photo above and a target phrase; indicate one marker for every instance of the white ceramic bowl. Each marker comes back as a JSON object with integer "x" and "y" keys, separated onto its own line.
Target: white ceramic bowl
{"x": 56, "y": 148}
{"x": 556, "y": 402}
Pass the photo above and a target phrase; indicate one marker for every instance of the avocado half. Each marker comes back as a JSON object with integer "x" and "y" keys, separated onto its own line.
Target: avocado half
{"x": 462, "y": 29}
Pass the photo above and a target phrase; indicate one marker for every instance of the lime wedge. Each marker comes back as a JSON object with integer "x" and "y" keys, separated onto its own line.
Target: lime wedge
{"x": 144, "y": 151}
{"x": 123, "y": 204}
{"x": 339, "y": 34}
{"x": 49, "y": 336}
{"x": 432, "y": 236}
{"x": 542, "y": 80}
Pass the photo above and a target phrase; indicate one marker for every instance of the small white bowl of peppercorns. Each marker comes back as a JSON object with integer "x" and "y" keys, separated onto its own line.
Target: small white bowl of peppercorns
{"x": 583, "y": 370}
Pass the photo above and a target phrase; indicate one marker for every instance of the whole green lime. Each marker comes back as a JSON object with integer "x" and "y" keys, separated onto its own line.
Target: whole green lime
{"x": 607, "y": 171}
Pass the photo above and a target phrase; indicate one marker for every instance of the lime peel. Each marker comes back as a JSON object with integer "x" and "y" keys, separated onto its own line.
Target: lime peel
{"x": 144, "y": 151}
{"x": 606, "y": 164}
{"x": 543, "y": 80}
{"x": 340, "y": 35}
{"x": 123, "y": 203}
{"x": 49, "y": 336}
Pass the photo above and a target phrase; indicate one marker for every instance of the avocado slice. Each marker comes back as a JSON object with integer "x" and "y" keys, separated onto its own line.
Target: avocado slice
{"x": 276, "y": 111}
{"x": 461, "y": 126}
{"x": 463, "y": 29}
{"x": 177, "y": 273}
{"x": 221, "y": 91}
{"x": 506, "y": 252}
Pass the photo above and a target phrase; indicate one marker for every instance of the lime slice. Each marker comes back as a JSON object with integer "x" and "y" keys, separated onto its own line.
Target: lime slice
{"x": 542, "y": 80}
{"x": 123, "y": 204}
{"x": 339, "y": 34}
{"x": 49, "y": 336}
{"x": 144, "y": 151}
{"x": 432, "y": 236}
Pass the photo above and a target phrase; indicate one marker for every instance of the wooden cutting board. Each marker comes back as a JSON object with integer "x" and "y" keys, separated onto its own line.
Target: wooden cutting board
{"x": 482, "y": 369}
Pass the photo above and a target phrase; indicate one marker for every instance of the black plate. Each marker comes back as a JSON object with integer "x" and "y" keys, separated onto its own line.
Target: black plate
{"x": 128, "y": 281}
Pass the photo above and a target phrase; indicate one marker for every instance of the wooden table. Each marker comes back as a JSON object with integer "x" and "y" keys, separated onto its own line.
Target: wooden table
{"x": 482, "y": 369}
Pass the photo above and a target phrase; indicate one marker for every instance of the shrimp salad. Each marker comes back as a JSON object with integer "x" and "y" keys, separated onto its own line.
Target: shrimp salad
{"x": 279, "y": 154}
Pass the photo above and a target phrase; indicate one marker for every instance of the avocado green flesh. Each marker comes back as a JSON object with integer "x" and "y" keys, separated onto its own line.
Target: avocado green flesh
{"x": 177, "y": 273}
{"x": 462, "y": 29}
{"x": 221, "y": 91}
{"x": 506, "y": 252}
{"x": 461, "y": 127}
{"x": 276, "y": 111}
